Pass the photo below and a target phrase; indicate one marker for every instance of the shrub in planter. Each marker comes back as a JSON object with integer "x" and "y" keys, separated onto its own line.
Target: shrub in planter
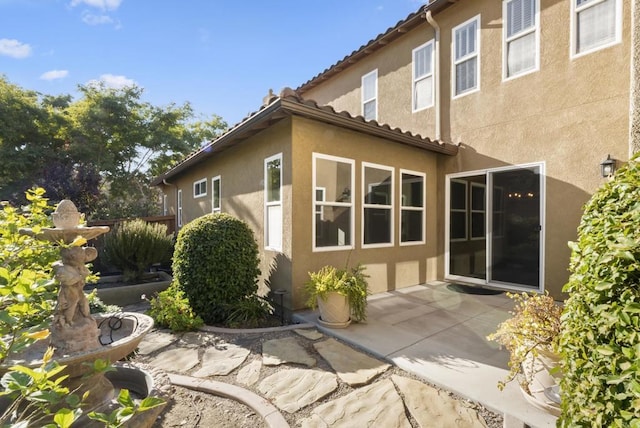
{"x": 532, "y": 331}
{"x": 216, "y": 265}
{"x": 600, "y": 338}
{"x": 133, "y": 246}
{"x": 351, "y": 283}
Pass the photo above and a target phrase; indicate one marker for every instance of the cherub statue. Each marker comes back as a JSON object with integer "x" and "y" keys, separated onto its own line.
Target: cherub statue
{"x": 71, "y": 273}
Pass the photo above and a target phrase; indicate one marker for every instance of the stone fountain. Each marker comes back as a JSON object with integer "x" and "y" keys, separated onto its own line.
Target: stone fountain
{"x": 77, "y": 336}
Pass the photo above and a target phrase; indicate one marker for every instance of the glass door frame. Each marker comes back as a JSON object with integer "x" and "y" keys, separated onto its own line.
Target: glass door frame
{"x": 488, "y": 173}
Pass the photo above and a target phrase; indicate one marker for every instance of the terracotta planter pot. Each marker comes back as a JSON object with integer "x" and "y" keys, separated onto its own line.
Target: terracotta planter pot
{"x": 542, "y": 377}
{"x": 334, "y": 311}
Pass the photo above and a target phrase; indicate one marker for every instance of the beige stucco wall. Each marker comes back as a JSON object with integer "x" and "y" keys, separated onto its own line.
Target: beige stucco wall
{"x": 389, "y": 267}
{"x": 241, "y": 169}
{"x": 568, "y": 115}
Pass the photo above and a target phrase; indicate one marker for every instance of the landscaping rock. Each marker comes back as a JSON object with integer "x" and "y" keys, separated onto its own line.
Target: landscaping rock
{"x": 309, "y": 333}
{"x": 287, "y": 350}
{"x": 376, "y": 405}
{"x": 294, "y": 389}
{"x": 221, "y": 359}
{"x": 250, "y": 374}
{"x": 353, "y": 367}
{"x": 156, "y": 340}
{"x": 433, "y": 408}
{"x": 177, "y": 360}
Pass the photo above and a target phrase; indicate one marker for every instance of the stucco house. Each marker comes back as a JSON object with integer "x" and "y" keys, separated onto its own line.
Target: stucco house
{"x": 459, "y": 144}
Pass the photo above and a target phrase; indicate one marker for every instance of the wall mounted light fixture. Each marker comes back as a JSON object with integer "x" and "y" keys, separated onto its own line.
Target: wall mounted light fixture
{"x": 608, "y": 167}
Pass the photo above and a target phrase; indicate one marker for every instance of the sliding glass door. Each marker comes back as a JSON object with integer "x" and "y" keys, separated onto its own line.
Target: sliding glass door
{"x": 494, "y": 227}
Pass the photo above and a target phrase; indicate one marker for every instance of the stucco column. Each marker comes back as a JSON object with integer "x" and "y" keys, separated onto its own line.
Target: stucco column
{"x": 634, "y": 107}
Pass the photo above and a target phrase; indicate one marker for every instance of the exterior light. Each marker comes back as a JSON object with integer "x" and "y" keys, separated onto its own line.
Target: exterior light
{"x": 608, "y": 167}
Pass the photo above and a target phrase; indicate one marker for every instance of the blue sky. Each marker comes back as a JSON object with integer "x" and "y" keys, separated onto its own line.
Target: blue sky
{"x": 220, "y": 55}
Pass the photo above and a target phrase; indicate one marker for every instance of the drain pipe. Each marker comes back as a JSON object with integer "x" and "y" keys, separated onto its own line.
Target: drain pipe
{"x": 436, "y": 94}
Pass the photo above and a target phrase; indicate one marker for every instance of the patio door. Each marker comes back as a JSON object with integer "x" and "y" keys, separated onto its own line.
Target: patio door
{"x": 494, "y": 227}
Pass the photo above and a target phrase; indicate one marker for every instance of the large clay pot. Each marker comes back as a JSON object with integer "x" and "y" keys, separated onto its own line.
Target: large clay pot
{"x": 334, "y": 310}
{"x": 543, "y": 378}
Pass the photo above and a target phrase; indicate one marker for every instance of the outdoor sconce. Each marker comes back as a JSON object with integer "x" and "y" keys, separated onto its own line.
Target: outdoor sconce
{"x": 608, "y": 167}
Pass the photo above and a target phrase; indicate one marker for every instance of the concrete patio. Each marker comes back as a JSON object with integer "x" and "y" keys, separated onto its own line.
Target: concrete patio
{"x": 438, "y": 332}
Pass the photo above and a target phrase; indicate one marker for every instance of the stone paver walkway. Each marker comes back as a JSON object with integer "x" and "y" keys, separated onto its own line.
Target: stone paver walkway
{"x": 300, "y": 380}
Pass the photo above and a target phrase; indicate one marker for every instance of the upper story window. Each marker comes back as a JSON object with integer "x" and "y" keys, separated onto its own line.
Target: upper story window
{"x": 273, "y": 202}
{"x": 179, "y": 210}
{"x": 423, "y": 76}
{"x": 377, "y": 207}
{"x": 333, "y": 212}
{"x": 370, "y": 95}
{"x": 521, "y": 35}
{"x": 466, "y": 57}
{"x": 215, "y": 194}
{"x": 200, "y": 188}
{"x": 595, "y": 24}
{"x": 165, "y": 205}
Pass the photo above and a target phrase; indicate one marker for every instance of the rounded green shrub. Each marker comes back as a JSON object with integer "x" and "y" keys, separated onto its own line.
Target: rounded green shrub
{"x": 600, "y": 334}
{"x": 216, "y": 264}
{"x": 133, "y": 246}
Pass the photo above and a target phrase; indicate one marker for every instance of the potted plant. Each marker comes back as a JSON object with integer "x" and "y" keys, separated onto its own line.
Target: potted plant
{"x": 340, "y": 294}
{"x": 531, "y": 336}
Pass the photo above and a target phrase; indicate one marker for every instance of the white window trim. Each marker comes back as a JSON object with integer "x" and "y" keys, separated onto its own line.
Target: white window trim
{"x": 213, "y": 195}
{"x": 350, "y": 205}
{"x": 179, "y": 210}
{"x": 196, "y": 184}
{"x": 324, "y": 199}
{"x": 423, "y": 208}
{"x": 415, "y": 80}
{"x": 506, "y": 40}
{"x": 165, "y": 204}
{"x": 465, "y": 210}
{"x": 574, "y": 26}
{"x": 472, "y": 211}
{"x": 272, "y": 203}
{"x": 374, "y": 98}
{"x": 389, "y": 207}
{"x": 455, "y": 62}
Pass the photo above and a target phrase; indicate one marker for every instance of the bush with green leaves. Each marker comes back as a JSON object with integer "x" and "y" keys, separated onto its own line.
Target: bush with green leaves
{"x": 600, "y": 335}
{"x": 133, "y": 246}
{"x": 216, "y": 265}
{"x": 171, "y": 309}
{"x": 251, "y": 312}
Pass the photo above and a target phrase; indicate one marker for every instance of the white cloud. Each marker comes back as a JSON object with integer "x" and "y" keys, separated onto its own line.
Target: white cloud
{"x": 91, "y": 19}
{"x": 100, "y": 4}
{"x": 54, "y": 74}
{"x": 112, "y": 81}
{"x": 14, "y": 48}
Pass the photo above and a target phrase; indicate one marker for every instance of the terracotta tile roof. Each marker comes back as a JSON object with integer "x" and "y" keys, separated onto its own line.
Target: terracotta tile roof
{"x": 392, "y": 33}
{"x": 291, "y": 103}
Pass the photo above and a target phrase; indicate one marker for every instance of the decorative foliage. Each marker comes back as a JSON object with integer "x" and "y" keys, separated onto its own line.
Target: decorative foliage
{"x": 351, "y": 283}
{"x": 534, "y": 328}
{"x": 600, "y": 340}
{"x": 97, "y": 306}
{"x": 216, "y": 265}
{"x": 133, "y": 246}
{"x": 170, "y": 308}
{"x": 250, "y": 312}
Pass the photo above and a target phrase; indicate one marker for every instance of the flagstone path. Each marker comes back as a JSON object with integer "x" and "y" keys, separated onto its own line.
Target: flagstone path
{"x": 337, "y": 386}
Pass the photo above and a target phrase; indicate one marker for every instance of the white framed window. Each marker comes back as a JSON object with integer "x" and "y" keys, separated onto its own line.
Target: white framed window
{"x": 165, "y": 204}
{"x": 333, "y": 216}
{"x": 273, "y": 202}
{"x": 466, "y": 57}
{"x": 458, "y": 210}
{"x": 179, "y": 216}
{"x": 370, "y": 95}
{"x": 521, "y": 37}
{"x": 215, "y": 194}
{"x": 377, "y": 205}
{"x": 477, "y": 217}
{"x": 200, "y": 188}
{"x": 412, "y": 207}
{"x": 595, "y": 24}
{"x": 422, "y": 95}
{"x": 321, "y": 193}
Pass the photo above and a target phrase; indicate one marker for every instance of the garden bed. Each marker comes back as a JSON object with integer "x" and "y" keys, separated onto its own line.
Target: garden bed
{"x": 112, "y": 290}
